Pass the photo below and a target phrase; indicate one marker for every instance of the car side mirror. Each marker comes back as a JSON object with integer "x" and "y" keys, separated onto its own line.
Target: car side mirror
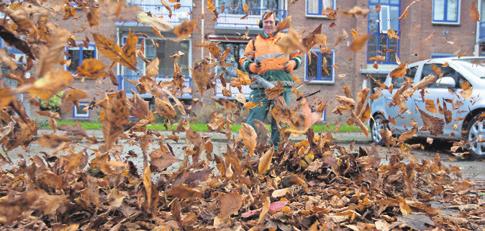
{"x": 446, "y": 82}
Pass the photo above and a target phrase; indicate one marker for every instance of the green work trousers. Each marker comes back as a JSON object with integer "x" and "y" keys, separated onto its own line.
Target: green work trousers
{"x": 261, "y": 112}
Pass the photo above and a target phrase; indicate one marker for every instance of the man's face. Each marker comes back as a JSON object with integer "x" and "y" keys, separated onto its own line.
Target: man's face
{"x": 269, "y": 26}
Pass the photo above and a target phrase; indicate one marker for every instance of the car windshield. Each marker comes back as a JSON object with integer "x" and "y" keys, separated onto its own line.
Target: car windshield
{"x": 476, "y": 67}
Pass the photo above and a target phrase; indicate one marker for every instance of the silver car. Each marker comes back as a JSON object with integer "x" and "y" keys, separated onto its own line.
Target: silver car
{"x": 455, "y": 102}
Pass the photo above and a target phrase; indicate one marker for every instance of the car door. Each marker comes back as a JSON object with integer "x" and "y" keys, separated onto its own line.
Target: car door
{"x": 440, "y": 102}
{"x": 399, "y": 121}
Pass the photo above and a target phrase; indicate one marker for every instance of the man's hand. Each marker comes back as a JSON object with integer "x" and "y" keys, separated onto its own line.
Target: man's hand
{"x": 290, "y": 66}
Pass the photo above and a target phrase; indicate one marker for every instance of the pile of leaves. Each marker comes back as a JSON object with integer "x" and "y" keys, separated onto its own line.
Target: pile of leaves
{"x": 85, "y": 183}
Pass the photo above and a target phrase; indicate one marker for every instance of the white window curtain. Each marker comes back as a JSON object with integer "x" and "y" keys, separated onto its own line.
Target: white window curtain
{"x": 439, "y": 10}
{"x": 452, "y": 11}
{"x": 312, "y": 7}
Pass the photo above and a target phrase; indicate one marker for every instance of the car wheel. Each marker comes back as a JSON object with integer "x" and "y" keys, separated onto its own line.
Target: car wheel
{"x": 376, "y": 126}
{"x": 476, "y": 136}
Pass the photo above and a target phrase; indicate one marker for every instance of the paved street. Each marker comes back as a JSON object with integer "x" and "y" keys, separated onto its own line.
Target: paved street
{"x": 471, "y": 169}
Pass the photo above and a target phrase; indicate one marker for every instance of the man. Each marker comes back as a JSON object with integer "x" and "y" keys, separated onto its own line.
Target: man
{"x": 263, "y": 57}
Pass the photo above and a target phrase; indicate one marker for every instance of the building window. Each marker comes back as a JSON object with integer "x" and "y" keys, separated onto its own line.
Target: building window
{"x": 76, "y": 55}
{"x": 446, "y": 11}
{"x": 319, "y": 67}
{"x": 317, "y": 7}
{"x": 80, "y": 111}
{"x": 379, "y": 43}
{"x": 256, "y": 7}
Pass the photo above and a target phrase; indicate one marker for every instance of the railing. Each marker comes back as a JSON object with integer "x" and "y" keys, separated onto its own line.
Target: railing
{"x": 232, "y": 17}
{"x": 481, "y": 36}
{"x": 158, "y": 10}
{"x": 124, "y": 84}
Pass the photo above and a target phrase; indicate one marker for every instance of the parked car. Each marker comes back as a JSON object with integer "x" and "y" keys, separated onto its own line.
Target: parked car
{"x": 451, "y": 92}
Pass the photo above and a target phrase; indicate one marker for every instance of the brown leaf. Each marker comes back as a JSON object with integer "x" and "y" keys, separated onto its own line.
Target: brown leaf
{"x": 245, "y": 10}
{"x": 430, "y": 106}
{"x": 431, "y": 123}
{"x": 359, "y": 42}
{"x": 155, "y": 22}
{"x": 6, "y": 96}
{"x": 466, "y": 88}
{"x": 356, "y": 10}
{"x": 265, "y": 210}
{"x": 230, "y": 204}
{"x": 399, "y": 72}
{"x": 152, "y": 68}
{"x": 93, "y": 16}
{"x": 265, "y": 161}
{"x": 111, "y": 50}
{"x": 284, "y": 24}
{"x": 47, "y": 86}
{"x": 248, "y": 137}
{"x": 392, "y": 34}
{"x": 92, "y": 69}
{"x": 185, "y": 29}
{"x": 183, "y": 192}
{"x": 147, "y": 183}
{"x": 409, "y": 134}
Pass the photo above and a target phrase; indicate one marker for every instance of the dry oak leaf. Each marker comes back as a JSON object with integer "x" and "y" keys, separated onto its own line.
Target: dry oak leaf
{"x": 230, "y": 204}
{"x": 153, "y": 68}
{"x": 51, "y": 83}
{"x": 92, "y": 69}
{"x": 185, "y": 29}
{"x": 399, "y": 71}
{"x": 356, "y": 10}
{"x": 155, "y": 22}
{"x": 284, "y": 24}
{"x": 265, "y": 161}
{"x": 183, "y": 192}
{"x": 359, "y": 42}
{"x": 248, "y": 137}
{"x": 111, "y": 50}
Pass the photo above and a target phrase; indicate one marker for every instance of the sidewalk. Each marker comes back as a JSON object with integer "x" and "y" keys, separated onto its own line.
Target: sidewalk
{"x": 339, "y": 137}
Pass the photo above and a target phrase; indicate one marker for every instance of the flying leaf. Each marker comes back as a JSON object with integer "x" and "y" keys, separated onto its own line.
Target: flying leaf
{"x": 185, "y": 29}
{"x": 466, "y": 88}
{"x": 248, "y": 137}
{"x": 245, "y": 10}
{"x": 265, "y": 161}
{"x": 74, "y": 95}
{"x": 399, "y": 71}
{"x": 284, "y": 24}
{"x": 47, "y": 86}
{"x": 392, "y": 34}
{"x": 152, "y": 68}
{"x": 359, "y": 42}
{"x": 430, "y": 106}
{"x": 92, "y": 69}
{"x": 111, "y": 50}
{"x": 155, "y": 22}
{"x": 356, "y": 10}
{"x": 93, "y": 16}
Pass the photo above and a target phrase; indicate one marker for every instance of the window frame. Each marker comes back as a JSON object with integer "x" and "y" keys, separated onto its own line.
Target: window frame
{"x": 320, "y": 9}
{"x": 389, "y": 4}
{"x": 77, "y": 115}
{"x": 79, "y": 46}
{"x": 445, "y": 21}
{"x": 319, "y": 67}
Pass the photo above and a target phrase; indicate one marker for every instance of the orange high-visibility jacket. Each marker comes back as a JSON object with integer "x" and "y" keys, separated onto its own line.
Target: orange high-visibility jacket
{"x": 263, "y": 50}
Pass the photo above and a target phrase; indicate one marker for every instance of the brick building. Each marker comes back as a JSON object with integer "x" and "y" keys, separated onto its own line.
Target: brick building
{"x": 432, "y": 28}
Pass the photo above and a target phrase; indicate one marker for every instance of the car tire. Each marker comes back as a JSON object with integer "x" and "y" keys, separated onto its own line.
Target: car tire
{"x": 475, "y": 136}
{"x": 377, "y": 124}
